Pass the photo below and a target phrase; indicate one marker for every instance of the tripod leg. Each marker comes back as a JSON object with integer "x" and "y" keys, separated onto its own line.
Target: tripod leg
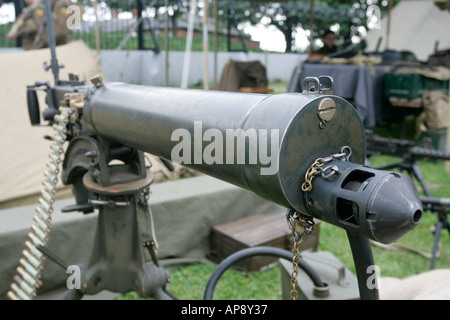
{"x": 437, "y": 236}
{"x": 73, "y": 295}
{"x": 363, "y": 259}
{"x": 162, "y": 294}
{"x": 416, "y": 171}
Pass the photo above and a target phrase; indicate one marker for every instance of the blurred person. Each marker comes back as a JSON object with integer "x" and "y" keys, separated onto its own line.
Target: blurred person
{"x": 30, "y": 24}
{"x": 328, "y": 43}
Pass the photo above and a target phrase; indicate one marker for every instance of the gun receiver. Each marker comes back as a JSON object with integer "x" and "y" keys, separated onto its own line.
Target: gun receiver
{"x": 401, "y": 148}
{"x": 54, "y": 95}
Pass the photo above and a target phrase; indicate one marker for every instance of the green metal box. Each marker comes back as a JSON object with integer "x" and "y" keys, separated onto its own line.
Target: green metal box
{"x": 411, "y": 85}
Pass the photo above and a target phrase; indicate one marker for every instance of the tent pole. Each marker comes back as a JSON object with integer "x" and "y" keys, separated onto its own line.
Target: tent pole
{"x": 166, "y": 45}
{"x": 187, "y": 54}
{"x": 311, "y": 22}
{"x": 97, "y": 28}
{"x": 216, "y": 39}
{"x": 388, "y": 28}
{"x": 447, "y": 163}
{"x": 205, "y": 46}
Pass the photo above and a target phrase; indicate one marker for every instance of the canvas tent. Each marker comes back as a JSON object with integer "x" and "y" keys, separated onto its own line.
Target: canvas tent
{"x": 237, "y": 74}
{"x": 24, "y": 151}
{"x": 416, "y": 25}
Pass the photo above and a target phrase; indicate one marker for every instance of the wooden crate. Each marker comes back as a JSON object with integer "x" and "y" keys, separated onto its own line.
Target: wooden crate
{"x": 256, "y": 230}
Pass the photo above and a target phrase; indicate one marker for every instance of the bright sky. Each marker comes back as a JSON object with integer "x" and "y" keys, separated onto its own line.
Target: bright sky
{"x": 6, "y": 13}
{"x": 272, "y": 39}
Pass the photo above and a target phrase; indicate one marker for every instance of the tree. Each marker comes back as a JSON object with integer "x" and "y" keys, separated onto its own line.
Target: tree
{"x": 348, "y": 15}
{"x": 120, "y": 5}
{"x": 177, "y": 8}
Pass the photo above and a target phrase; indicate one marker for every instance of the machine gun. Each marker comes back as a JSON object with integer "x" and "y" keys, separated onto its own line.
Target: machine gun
{"x": 406, "y": 149}
{"x": 440, "y": 206}
{"x": 313, "y": 136}
{"x": 409, "y": 151}
{"x": 302, "y": 151}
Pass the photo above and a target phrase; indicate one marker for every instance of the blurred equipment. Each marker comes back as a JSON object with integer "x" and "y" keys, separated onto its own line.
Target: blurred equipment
{"x": 440, "y": 58}
{"x": 31, "y": 25}
{"x": 434, "y": 122}
{"x": 440, "y": 206}
{"x": 245, "y": 77}
{"x": 406, "y": 86}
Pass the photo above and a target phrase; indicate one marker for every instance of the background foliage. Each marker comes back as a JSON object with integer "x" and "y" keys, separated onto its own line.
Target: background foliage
{"x": 347, "y": 17}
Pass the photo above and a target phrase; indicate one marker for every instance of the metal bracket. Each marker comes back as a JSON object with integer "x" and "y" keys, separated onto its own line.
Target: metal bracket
{"x": 318, "y": 85}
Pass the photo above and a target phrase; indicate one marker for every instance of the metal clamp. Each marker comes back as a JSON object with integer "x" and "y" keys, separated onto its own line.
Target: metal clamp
{"x": 329, "y": 172}
{"x": 301, "y": 227}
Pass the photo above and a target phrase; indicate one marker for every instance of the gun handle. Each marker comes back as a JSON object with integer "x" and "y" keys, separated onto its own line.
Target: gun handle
{"x": 33, "y": 106}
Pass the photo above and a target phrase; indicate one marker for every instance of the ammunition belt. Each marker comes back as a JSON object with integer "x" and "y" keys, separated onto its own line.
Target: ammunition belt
{"x": 28, "y": 277}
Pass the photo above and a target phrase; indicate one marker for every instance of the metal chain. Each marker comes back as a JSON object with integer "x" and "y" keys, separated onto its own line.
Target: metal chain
{"x": 301, "y": 227}
{"x": 296, "y": 257}
{"x": 316, "y": 168}
{"x": 311, "y": 173}
{"x": 28, "y": 278}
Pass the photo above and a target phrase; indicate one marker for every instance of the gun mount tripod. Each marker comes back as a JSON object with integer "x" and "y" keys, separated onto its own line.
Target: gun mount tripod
{"x": 120, "y": 192}
{"x": 440, "y": 206}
